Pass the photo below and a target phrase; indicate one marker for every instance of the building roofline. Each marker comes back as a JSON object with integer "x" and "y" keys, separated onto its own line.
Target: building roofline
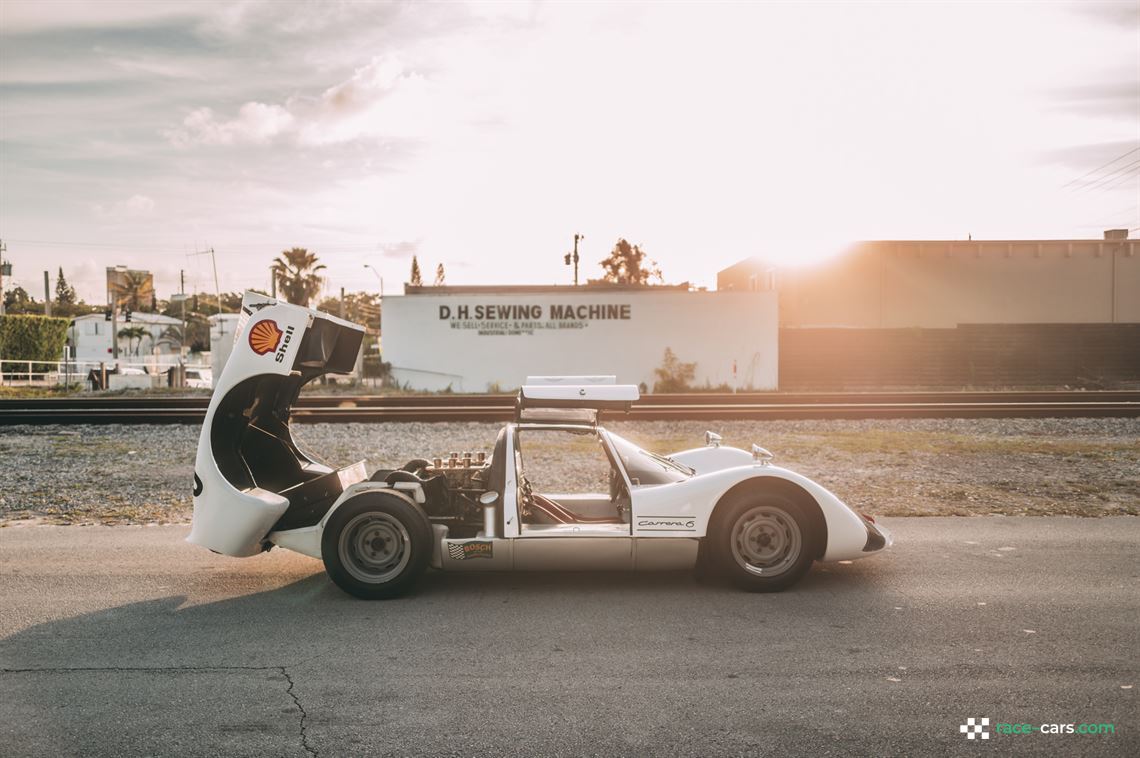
{"x": 521, "y": 289}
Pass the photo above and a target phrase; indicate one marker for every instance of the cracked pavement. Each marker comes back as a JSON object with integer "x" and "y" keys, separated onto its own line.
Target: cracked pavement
{"x": 127, "y": 641}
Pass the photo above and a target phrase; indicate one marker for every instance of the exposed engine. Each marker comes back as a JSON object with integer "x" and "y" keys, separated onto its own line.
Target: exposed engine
{"x": 451, "y": 486}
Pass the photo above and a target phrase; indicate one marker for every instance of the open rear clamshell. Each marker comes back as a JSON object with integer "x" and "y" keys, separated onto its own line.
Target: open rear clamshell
{"x": 250, "y": 475}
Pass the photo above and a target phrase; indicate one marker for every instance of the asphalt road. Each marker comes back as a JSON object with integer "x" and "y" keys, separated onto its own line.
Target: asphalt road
{"x": 127, "y": 641}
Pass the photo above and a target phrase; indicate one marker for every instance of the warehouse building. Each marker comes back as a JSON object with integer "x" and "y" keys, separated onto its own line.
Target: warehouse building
{"x": 941, "y": 284}
{"x": 478, "y": 339}
{"x": 952, "y": 314}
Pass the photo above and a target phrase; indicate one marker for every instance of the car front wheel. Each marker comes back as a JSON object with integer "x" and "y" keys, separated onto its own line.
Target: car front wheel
{"x": 762, "y": 543}
{"x": 376, "y": 547}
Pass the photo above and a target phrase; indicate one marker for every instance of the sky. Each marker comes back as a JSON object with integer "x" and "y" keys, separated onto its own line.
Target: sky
{"x": 484, "y": 135}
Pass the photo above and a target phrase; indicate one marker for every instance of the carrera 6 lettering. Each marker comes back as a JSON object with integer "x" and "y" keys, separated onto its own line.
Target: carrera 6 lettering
{"x": 667, "y": 523}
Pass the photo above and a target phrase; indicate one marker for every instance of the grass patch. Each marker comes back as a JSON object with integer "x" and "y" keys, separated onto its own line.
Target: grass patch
{"x": 934, "y": 443}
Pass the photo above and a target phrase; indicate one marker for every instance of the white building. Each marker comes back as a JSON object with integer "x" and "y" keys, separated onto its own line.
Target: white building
{"x": 473, "y": 339}
{"x": 223, "y": 327}
{"x": 90, "y": 337}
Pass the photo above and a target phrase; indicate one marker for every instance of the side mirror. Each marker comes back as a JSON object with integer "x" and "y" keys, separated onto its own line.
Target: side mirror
{"x": 490, "y": 497}
{"x": 762, "y": 456}
{"x": 712, "y": 439}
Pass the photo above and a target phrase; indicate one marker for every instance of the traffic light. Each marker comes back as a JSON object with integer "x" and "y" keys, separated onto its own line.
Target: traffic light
{"x": 107, "y": 315}
{"x": 127, "y": 315}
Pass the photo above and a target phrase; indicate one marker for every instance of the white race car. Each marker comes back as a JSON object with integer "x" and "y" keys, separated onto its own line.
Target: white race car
{"x": 723, "y": 511}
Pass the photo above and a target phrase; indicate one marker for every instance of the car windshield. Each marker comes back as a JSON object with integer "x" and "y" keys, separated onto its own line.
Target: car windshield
{"x": 644, "y": 467}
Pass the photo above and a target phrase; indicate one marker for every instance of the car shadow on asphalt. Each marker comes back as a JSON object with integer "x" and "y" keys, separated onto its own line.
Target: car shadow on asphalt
{"x": 105, "y": 682}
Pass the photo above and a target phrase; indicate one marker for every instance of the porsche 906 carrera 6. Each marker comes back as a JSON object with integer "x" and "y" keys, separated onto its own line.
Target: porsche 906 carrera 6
{"x": 722, "y": 511}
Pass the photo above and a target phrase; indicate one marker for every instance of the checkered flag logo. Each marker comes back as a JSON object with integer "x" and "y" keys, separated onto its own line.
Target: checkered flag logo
{"x": 455, "y": 552}
{"x": 973, "y": 728}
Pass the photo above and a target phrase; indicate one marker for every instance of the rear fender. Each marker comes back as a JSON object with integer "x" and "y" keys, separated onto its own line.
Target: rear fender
{"x": 307, "y": 540}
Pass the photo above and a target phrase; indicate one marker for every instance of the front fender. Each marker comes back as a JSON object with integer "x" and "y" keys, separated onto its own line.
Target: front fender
{"x": 683, "y": 509}
{"x": 704, "y": 460}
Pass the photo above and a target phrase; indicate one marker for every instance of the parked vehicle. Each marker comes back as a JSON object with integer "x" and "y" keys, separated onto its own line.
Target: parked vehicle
{"x": 724, "y": 511}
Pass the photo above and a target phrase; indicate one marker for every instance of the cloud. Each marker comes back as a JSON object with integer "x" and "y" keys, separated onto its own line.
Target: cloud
{"x": 255, "y": 123}
{"x": 379, "y": 100}
{"x": 1119, "y": 13}
{"x": 399, "y": 250}
{"x": 134, "y": 207}
{"x": 1119, "y": 98}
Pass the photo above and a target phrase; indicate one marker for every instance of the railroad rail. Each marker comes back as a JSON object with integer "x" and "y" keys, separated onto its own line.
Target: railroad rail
{"x": 695, "y": 406}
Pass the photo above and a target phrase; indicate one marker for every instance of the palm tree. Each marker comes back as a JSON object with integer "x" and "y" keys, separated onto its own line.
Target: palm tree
{"x": 172, "y": 335}
{"x": 297, "y": 277}
{"x": 132, "y": 333}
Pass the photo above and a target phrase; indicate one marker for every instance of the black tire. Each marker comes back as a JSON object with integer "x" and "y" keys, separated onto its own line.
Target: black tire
{"x": 376, "y": 546}
{"x": 761, "y": 542}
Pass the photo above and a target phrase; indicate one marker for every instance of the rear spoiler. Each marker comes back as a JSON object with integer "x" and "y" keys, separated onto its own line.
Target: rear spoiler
{"x": 558, "y": 395}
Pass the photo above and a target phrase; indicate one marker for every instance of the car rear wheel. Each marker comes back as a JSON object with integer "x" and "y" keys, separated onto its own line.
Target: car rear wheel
{"x": 761, "y": 543}
{"x": 376, "y": 546}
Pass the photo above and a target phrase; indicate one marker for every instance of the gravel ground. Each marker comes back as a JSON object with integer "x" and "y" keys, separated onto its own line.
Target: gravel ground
{"x": 1079, "y": 467}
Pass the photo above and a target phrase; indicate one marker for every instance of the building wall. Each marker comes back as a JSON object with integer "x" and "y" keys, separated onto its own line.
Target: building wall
{"x": 969, "y": 356}
{"x": 91, "y": 336}
{"x": 434, "y": 341}
{"x": 942, "y": 284}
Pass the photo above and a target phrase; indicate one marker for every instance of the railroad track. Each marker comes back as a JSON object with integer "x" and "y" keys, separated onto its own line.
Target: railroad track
{"x": 751, "y": 406}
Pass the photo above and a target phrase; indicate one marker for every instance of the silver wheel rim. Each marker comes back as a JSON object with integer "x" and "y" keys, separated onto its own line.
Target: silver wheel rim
{"x": 766, "y": 541}
{"x": 374, "y": 547}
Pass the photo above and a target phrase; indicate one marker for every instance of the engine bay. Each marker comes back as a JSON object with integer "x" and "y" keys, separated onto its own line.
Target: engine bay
{"x": 451, "y": 485}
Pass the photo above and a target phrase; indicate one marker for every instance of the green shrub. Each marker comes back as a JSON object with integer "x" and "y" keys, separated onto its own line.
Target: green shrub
{"x": 374, "y": 368}
{"x": 674, "y": 375}
{"x": 31, "y": 338}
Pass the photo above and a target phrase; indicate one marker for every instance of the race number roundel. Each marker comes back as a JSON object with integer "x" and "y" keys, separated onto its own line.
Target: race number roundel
{"x": 264, "y": 336}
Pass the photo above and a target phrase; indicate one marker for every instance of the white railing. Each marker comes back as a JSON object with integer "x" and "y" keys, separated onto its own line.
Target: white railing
{"x": 19, "y": 373}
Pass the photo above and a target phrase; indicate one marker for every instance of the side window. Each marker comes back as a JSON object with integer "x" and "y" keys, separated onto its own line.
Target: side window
{"x": 560, "y": 462}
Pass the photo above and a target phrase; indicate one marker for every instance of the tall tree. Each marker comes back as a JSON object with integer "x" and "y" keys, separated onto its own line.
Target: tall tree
{"x": 417, "y": 280}
{"x": 64, "y": 292}
{"x": 298, "y": 275}
{"x": 628, "y": 264}
{"x": 360, "y": 307}
{"x": 17, "y": 300}
{"x": 439, "y": 276}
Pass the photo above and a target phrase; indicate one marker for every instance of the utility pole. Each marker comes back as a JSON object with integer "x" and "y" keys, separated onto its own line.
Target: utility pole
{"x": 113, "y": 299}
{"x": 5, "y": 270}
{"x": 573, "y": 257}
{"x": 47, "y": 295}
{"x": 182, "y": 291}
{"x": 214, "y": 261}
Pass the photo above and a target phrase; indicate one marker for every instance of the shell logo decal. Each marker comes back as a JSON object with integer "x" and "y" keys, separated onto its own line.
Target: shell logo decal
{"x": 264, "y": 336}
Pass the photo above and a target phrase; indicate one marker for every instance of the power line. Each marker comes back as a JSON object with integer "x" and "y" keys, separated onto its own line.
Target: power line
{"x": 1131, "y": 175}
{"x": 1107, "y": 177}
{"x": 332, "y": 249}
{"x": 1098, "y": 168}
